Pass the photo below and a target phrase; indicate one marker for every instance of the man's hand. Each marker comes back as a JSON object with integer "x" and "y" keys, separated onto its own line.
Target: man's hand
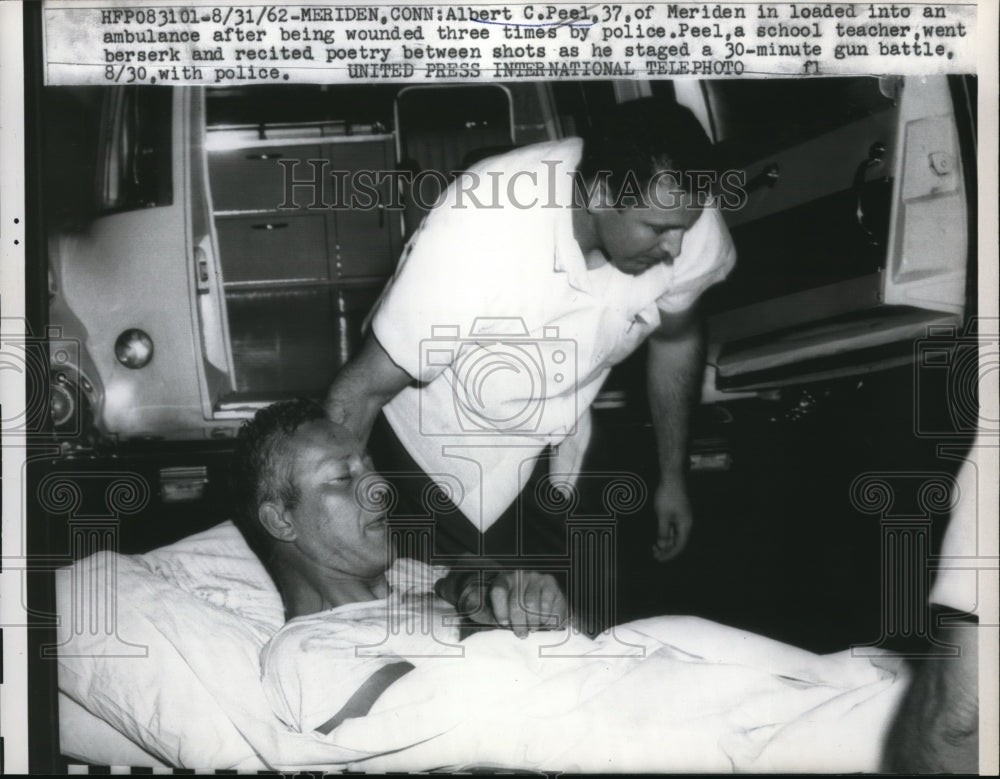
{"x": 367, "y": 382}
{"x": 674, "y": 518}
{"x": 520, "y": 600}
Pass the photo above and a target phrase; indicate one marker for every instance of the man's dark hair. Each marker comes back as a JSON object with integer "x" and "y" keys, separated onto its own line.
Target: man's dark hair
{"x": 640, "y": 138}
{"x": 262, "y": 469}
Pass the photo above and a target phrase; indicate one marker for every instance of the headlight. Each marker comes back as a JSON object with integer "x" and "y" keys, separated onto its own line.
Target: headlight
{"x": 134, "y": 348}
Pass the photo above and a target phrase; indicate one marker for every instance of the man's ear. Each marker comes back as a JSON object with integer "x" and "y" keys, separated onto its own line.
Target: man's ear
{"x": 275, "y": 520}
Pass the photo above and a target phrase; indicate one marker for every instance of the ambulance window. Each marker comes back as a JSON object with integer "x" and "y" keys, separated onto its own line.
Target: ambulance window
{"x": 756, "y": 117}
{"x": 134, "y": 153}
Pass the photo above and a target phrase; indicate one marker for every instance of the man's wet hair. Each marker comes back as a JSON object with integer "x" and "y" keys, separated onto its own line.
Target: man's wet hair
{"x": 262, "y": 468}
{"x": 634, "y": 141}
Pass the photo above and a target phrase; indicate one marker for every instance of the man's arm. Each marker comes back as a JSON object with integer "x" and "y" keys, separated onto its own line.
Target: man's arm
{"x": 674, "y": 373}
{"x": 366, "y": 383}
{"x": 936, "y": 728}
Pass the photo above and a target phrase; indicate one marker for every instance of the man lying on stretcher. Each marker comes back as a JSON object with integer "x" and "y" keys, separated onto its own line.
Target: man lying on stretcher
{"x": 302, "y": 478}
{"x": 371, "y": 652}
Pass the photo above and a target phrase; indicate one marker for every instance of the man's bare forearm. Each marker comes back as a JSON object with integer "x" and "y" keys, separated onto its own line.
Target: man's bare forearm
{"x": 365, "y": 384}
{"x": 675, "y": 367}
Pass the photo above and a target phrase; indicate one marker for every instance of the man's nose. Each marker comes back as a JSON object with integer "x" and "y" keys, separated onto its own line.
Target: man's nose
{"x": 671, "y": 243}
{"x": 375, "y": 492}
{"x": 361, "y": 467}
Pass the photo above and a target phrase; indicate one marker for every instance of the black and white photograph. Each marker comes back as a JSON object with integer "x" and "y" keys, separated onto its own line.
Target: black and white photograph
{"x": 516, "y": 388}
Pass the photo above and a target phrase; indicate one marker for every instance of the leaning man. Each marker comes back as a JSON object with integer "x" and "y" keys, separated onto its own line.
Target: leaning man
{"x": 538, "y": 271}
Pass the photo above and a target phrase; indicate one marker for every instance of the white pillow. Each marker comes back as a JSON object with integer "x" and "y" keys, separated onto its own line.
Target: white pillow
{"x": 219, "y": 567}
{"x": 165, "y": 646}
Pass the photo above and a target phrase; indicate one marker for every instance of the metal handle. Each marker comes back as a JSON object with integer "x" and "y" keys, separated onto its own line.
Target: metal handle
{"x": 203, "y": 278}
{"x": 876, "y": 153}
{"x": 270, "y": 226}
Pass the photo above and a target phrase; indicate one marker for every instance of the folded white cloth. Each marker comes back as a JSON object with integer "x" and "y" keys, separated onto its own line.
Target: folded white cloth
{"x": 704, "y": 698}
{"x": 662, "y": 694}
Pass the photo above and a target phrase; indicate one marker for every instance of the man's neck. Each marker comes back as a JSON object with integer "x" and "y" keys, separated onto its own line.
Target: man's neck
{"x": 307, "y": 591}
{"x": 586, "y": 238}
{"x": 583, "y": 230}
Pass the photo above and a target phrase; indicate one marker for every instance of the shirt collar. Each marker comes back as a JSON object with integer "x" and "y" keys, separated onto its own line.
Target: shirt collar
{"x": 567, "y": 257}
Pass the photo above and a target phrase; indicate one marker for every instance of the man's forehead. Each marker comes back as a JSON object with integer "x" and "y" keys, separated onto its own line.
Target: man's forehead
{"x": 669, "y": 207}
{"x": 322, "y": 439}
{"x": 667, "y": 194}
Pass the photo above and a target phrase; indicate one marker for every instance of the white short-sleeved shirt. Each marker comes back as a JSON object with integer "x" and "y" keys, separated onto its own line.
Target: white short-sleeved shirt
{"x": 494, "y": 311}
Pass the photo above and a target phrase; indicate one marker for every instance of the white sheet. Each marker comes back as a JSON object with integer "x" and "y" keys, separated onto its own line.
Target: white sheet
{"x": 87, "y": 738}
{"x": 705, "y": 698}
{"x": 702, "y": 697}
